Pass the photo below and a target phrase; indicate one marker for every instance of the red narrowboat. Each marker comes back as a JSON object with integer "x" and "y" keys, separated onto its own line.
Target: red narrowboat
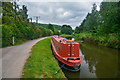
{"x": 66, "y": 52}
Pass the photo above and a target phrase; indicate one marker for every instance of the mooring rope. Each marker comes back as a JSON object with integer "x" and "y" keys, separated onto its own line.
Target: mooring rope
{"x": 62, "y": 66}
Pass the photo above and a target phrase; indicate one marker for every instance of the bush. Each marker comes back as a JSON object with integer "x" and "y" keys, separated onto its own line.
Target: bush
{"x": 110, "y": 40}
{"x": 7, "y": 34}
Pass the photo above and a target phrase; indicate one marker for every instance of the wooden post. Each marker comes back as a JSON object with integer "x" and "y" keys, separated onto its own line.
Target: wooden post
{"x": 13, "y": 40}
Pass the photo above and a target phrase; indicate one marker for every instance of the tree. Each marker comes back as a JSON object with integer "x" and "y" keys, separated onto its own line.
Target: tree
{"x": 90, "y": 22}
{"x": 77, "y": 30}
{"x": 56, "y": 32}
{"x": 110, "y": 16}
{"x": 50, "y": 26}
{"x": 15, "y": 23}
{"x": 104, "y": 21}
{"x": 66, "y": 29}
{"x": 94, "y": 8}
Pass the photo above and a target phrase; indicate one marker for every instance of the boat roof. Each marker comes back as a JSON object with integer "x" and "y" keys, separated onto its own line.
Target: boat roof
{"x": 58, "y": 38}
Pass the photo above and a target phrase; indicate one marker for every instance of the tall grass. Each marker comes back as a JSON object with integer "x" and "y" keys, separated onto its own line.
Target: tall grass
{"x": 108, "y": 40}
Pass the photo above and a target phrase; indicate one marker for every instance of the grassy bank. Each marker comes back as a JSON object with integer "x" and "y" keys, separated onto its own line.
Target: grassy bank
{"x": 41, "y": 63}
{"x": 66, "y": 35}
{"x": 109, "y": 40}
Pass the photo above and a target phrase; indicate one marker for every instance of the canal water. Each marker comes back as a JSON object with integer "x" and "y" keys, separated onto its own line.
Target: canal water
{"x": 97, "y": 62}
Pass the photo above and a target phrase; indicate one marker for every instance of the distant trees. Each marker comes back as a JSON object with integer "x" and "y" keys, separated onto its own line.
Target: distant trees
{"x": 66, "y": 29}
{"x": 50, "y": 26}
{"x": 56, "y": 32}
{"x": 77, "y": 30}
{"x": 104, "y": 21}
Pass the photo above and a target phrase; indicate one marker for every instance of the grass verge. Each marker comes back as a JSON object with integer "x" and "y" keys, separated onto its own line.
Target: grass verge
{"x": 41, "y": 62}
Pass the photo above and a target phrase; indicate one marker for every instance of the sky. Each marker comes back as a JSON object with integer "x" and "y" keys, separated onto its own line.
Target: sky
{"x": 59, "y": 12}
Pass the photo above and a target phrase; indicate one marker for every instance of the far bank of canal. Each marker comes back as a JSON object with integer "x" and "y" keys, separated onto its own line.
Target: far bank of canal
{"x": 97, "y": 62}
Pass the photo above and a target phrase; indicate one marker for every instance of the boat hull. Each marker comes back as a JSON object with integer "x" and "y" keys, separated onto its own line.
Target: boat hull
{"x": 69, "y": 67}
{"x": 70, "y": 63}
{"x": 65, "y": 66}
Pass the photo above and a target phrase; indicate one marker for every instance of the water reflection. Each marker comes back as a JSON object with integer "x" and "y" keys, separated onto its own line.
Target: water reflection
{"x": 105, "y": 60}
{"x": 96, "y": 62}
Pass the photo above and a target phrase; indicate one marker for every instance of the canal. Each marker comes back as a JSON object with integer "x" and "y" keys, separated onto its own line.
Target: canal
{"x": 97, "y": 62}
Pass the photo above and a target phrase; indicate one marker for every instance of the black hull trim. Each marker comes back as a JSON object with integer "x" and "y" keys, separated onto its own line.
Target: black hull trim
{"x": 65, "y": 66}
{"x": 68, "y": 67}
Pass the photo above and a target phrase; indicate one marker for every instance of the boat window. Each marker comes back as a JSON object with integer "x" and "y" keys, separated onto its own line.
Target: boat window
{"x": 70, "y": 42}
{"x": 78, "y": 59}
{"x": 60, "y": 41}
{"x": 64, "y": 39}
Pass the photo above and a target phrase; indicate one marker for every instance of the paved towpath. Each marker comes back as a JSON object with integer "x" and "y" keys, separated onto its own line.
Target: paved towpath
{"x": 14, "y": 57}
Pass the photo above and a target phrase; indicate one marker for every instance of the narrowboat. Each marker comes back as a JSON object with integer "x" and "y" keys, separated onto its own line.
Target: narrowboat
{"x": 66, "y": 52}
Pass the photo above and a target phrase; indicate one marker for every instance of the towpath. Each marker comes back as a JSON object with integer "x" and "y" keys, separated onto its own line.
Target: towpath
{"x": 14, "y": 57}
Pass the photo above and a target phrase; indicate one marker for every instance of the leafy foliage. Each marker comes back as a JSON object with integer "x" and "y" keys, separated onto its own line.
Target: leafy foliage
{"x": 15, "y": 23}
{"x": 57, "y": 27}
{"x": 66, "y": 29}
{"x": 102, "y": 22}
{"x": 101, "y": 27}
{"x": 111, "y": 40}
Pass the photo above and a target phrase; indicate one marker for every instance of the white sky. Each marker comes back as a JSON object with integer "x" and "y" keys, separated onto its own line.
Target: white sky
{"x": 59, "y": 12}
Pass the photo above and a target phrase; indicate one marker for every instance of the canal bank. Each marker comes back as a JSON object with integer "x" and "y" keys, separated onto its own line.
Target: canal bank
{"x": 41, "y": 62}
{"x": 107, "y": 40}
